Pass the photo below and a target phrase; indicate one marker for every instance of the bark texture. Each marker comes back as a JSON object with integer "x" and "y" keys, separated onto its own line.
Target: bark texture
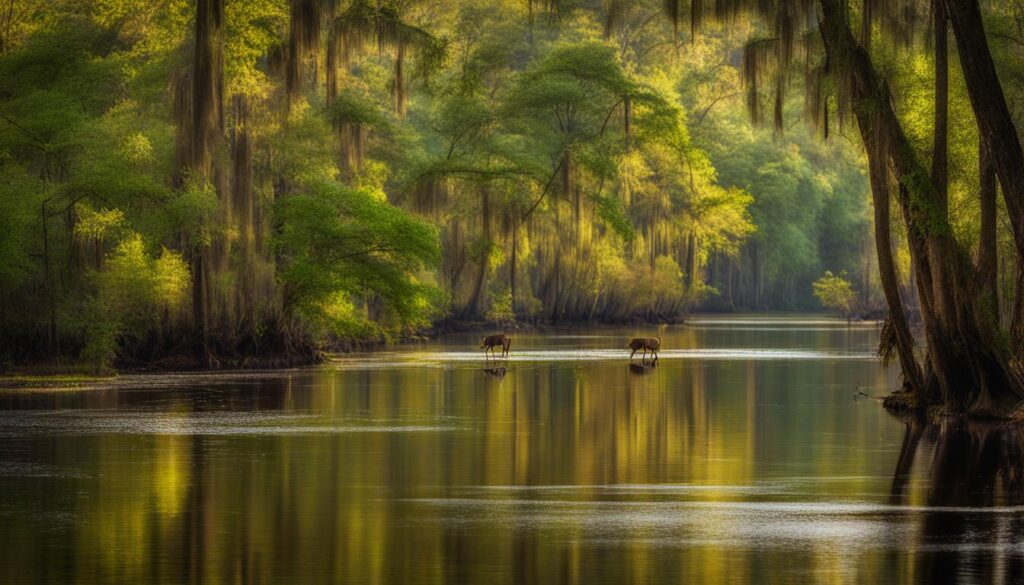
{"x": 965, "y": 355}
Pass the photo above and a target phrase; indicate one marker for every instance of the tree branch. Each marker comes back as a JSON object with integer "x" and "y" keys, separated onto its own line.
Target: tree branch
{"x": 41, "y": 143}
{"x": 547, "y": 187}
{"x": 700, "y": 119}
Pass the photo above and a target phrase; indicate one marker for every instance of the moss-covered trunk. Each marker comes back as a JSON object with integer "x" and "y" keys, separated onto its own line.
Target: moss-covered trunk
{"x": 995, "y": 123}
{"x": 902, "y": 339}
{"x": 965, "y": 353}
{"x": 200, "y": 129}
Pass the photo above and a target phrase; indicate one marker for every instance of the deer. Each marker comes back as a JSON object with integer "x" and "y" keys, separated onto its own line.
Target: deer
{"x": 492, "y": 341}
{"x": 645, "y": 343}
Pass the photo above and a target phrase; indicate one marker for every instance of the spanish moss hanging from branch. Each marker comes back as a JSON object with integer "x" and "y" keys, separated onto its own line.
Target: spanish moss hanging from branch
{"x": 303, "y": 40}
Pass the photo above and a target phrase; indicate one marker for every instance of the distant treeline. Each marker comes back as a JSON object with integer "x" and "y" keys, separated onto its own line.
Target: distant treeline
{"x": 218, "y": 182}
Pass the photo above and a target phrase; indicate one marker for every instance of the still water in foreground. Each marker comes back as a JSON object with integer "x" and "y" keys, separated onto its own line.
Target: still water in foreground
{"x": 753, "y": 452}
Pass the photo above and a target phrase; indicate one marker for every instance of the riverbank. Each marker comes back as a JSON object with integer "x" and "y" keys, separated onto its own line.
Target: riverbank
{"x": 70, "y": 375}
{"x": 566, "y": 440}
{"x": 50, "y": 381}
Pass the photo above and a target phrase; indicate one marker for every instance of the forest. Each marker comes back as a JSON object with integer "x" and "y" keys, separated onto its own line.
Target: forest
{"x": 233, "y": 183}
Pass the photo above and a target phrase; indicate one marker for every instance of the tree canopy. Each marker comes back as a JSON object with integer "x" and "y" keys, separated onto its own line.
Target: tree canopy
{"x": 323, "y": 170}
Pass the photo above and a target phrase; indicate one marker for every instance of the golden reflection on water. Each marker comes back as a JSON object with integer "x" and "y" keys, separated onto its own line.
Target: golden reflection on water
{"x": 547, "y": 471}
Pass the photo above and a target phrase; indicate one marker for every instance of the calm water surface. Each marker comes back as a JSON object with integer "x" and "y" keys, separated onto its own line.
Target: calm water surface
{"x": 753, "y": 452}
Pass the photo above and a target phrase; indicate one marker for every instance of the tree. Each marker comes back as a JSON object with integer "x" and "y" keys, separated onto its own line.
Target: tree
{"x": 967, "y": 364}
{"x": 836, "y": 293}
{"x": 560, "y": 160}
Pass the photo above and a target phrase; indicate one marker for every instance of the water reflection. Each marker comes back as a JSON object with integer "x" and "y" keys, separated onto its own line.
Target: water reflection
{"x": 498, "y": 373}
{"x": 744, "y": 467}
{"x": 974, "y": 492}
{"x": 642, "y": 369}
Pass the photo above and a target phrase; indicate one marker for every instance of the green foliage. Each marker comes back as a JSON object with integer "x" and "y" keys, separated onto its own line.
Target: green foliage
{"x": 135, "y": 294}
{"x": 304, "y": 150}
{"x": 612, "y": 212}
{"x": 500, "y": 308}
{"x": 97, "y": 224}
{"x": 192, "y": 212}
{"x": 21, "y": 197}
{"x": 808, "y": 203}
{"x": 342, "y": 245}
{"x": 836, "y": 293}
{"x": 350, "y": 108}
{"x": 566, "y": 95}
{"x": 558, "y": 170}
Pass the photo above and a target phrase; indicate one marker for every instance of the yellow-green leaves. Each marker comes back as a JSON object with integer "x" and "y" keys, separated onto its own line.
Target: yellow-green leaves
{"x": 97, "y": 224}
{"x": 337, "y": 240}
{"x": 137, "y": 148}
{"x": 135, "y": 293}
{"x": 835, "y": 292}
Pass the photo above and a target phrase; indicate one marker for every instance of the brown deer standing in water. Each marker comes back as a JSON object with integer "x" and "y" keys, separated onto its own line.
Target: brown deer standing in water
{"x": 645, "y": 343}
{"x": 492, "y": 341}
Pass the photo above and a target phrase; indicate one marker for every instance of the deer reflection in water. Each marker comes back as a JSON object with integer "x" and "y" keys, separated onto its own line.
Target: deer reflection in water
{"x": 496, "y": 372}
{"x": 973, "y": 465}
{"x": 642, "y": 369}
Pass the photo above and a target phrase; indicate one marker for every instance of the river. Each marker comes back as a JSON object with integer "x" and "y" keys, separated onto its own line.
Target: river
{"x": 754, "y": 451}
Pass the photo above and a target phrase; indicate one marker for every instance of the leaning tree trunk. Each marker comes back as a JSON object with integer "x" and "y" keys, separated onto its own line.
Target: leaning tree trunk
{"x": 901, "y": 338}
{"x": 987, "y": 258}
{"x": 1017, "y": 317}
{"x": 993, "y": 116}
{"x": 941, "y": 296}
{"x": 997, "y": 130}
{"x": 965, "y": 354}
{"x": 940, "y": 142}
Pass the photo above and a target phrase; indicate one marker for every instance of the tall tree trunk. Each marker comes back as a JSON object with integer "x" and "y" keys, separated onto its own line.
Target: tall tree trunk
{"x": 902, "y": 338}
{"x": 512, "y": 264}
{"x": 1017, "y": 318}
{"x": 965, "y": 354}
{"x": 932, "y": 278}
{"x": 52, "y": 339}
{"x": 627, "y": 120}
{"x": 399, "y": 88}
{"x": 207, "y": 84}
{"x": 940, "y": 294}
{"x": 990, "y": 110}
{"x": 987, "y": 259}
{"x": 473, "y": 308}
{"x": 205, "y": 122}
{"x": 689, "y": 262}
{"x": 303, "y": 40}
{"x": 244, "y": 208}
{"x": 998, "y": 133}
{"x": 331, "y": 65}
{"x": 940, "y": 137}
{"x": 200, "y": 307}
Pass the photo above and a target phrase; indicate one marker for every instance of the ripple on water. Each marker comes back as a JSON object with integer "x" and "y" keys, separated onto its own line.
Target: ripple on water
{"x": 856, "y": 526}
{"x": 793, "y": 323}
{"x": 445, "y": 358}
{"x": 102, "y": 422}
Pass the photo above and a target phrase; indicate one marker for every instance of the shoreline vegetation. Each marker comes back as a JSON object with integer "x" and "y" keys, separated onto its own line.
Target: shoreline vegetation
{"x": 43, "y": 376}
{"x": 192, "y": 184}
{"x": 185, "y": 362}
{"x": 197, "y": 183}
